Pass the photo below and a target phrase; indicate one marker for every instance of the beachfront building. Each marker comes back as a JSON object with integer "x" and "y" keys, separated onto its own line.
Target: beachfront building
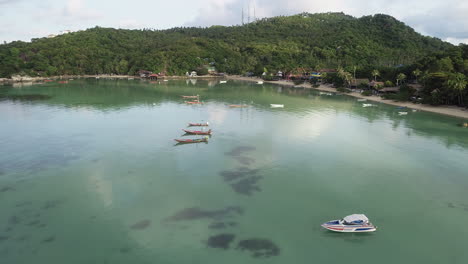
{"x": 144, "y": 73}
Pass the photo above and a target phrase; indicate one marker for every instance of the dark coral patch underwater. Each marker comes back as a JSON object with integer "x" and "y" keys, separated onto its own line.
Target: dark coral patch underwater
{"x": 143, "y": 224}
{"x": 220, "y": 241}
{"x": 239, "y": 151}
{"x": 259, "y": 247}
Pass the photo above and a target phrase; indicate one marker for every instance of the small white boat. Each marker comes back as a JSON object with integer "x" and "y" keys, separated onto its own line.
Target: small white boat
{"x": 222, "y": 81}
{"x": 329, "y": 94}
{"x": 260, "y": 82}
{"x": 362, "y": 100}
{"x": 165, "y": 80}
{"x": 402, "y": 113}
{"x": 367, "y": 105}
{"x": 414, "y": 110}
{"x": 276, "y": 106}
{"x": 355, "y": 223}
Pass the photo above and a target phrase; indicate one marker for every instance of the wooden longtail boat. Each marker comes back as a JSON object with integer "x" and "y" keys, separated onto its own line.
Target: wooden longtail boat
{"x": 198, "y": 124}
{"x": 192, "y": 132}
{"x": 188, "y": 141}
{"x": 190, "y": 96}
{"x": 193, "y": 102}
{"x": 238, "y": 106}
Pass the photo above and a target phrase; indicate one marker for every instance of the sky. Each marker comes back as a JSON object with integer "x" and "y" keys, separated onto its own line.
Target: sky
{"x": 26, "y": 19}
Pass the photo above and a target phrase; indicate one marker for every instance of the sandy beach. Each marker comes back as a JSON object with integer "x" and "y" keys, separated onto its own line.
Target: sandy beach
{"x": 444, "y": 110}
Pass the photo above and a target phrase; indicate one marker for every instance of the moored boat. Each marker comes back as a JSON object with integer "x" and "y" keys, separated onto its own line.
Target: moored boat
{"x": 193, "y": 102}
{"x": 190, "y": 96}
{"x": 402, "y": 113}
{"x": 276, "y": 105}
{"x": 188, "y": 141}
{"x": 355, "y": 223}
{"x": 198, "y": 124}
{"x": 222, "y": 81}
{"x": 194, "y": 132}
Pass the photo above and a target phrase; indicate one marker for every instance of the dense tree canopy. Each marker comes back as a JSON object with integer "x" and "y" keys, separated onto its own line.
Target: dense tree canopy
{"x": 328, "y": 40}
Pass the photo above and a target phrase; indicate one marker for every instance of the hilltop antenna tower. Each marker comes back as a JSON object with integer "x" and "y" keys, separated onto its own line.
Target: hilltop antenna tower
{"x": 248, "y": 11}
{"x": 255, "y": 17}
{"x": 242, "y": 15}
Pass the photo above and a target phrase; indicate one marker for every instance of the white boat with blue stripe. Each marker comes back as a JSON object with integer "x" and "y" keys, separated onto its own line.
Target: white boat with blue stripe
{"x": 355, "y": 223}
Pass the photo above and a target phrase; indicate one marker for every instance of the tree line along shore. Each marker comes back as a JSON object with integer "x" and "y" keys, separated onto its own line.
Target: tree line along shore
{"x": 390, "y": 55}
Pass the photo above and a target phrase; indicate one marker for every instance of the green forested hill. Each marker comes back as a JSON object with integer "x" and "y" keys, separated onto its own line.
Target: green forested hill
{"x": 279, "y": 43}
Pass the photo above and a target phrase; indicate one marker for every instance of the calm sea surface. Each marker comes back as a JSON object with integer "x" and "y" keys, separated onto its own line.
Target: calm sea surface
{"x": 89, "y": 173}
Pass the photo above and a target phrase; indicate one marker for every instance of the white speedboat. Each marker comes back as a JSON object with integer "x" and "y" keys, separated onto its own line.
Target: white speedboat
{"x": 276, "y": 106}
{"x": 260, "y": 82}
{"x": 222, "y": 81}
{"x": 367, "y": 105}
{"x": 402, "y": 113}
{"x": 355, "y": 223}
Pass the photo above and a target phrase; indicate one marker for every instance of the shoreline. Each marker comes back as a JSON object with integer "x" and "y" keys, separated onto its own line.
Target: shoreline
{"x": 28, "y": 79}
{"x": 453, "y": 111}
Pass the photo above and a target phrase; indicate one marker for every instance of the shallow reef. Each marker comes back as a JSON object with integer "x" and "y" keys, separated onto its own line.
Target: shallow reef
{"x": 247, "y": 186}
{"x": 220, "y": 241}
{"x": 237, "y": 151}
{"x": 259, "y": 247}
{"x": 143, "y": 224}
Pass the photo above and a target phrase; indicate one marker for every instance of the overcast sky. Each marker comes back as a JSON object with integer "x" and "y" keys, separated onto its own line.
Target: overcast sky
{"x": 26, "y": 19}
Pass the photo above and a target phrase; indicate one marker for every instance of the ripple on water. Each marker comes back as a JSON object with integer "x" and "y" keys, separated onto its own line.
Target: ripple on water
{"x": 25, "y": 97}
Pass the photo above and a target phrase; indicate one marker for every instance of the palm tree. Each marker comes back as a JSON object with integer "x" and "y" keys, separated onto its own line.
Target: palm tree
{"x": 400, "y": 78}
{"x": 375, "y": 73}
{"x": 458, "y": 82}
{"x": 347, "y": 77}
{"x": 416, "y": 73}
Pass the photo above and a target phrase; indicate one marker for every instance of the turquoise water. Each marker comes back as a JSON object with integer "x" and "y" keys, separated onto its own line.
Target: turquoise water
{"x": 89, "y": 173}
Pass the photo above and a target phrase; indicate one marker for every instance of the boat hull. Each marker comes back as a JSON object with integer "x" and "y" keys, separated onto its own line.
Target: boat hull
{"x": 197, "y": 132}
{"x": 351, "y": 230}
{"x": 190, "y": 141}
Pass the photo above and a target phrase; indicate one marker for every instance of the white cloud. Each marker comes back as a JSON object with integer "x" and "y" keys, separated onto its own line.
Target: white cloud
{"x": 76, "y": 10}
